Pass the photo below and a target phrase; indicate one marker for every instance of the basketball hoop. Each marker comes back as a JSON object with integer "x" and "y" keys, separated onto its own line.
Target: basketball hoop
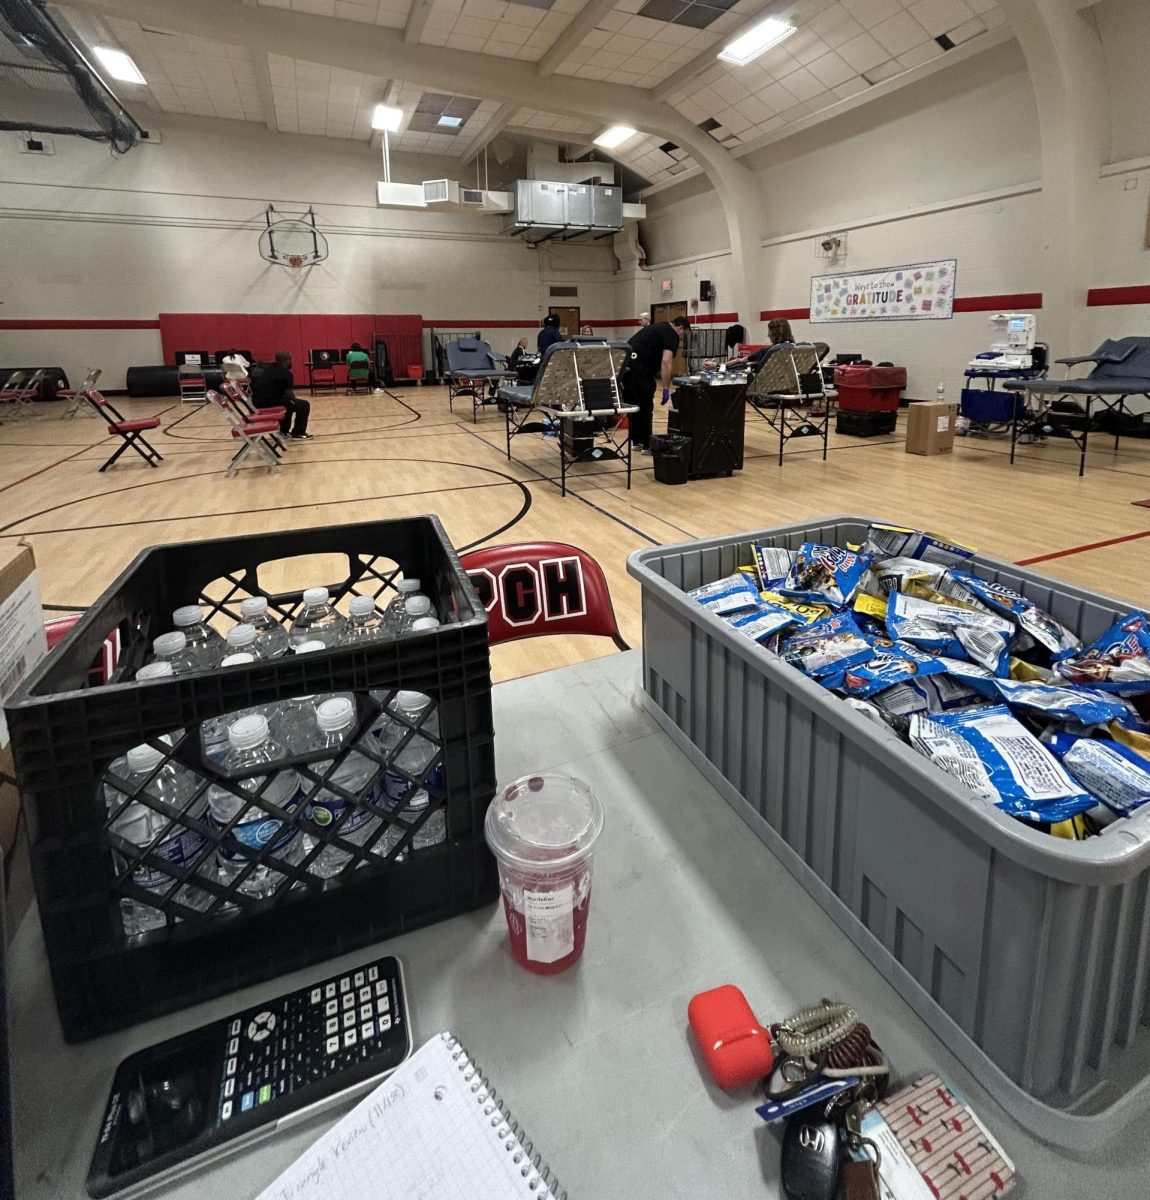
{"x": 292, "y": 242}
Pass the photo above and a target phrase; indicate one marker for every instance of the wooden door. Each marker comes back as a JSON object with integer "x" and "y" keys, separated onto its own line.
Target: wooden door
{"x": 668, "y": 312}
{"x": 568, "y": 321}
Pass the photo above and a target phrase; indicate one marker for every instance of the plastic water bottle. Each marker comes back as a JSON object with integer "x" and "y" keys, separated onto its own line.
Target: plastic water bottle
{"x": 204, "y": 645}
{"x": 252, "y": 752}
{"x": 135, "y": 821}
{"x": 422, "y": 623}
{"x": 172, "y": 648}
{"x": 214, "y": 731}
{"x": 271, "y": 636}
{"x": 940, "y": 393}
{"x": 413, "y": 758}
{"x": 417, "y": 606}
{"x": 160, "y": 669}
{"x": 393, "y": 615}
{"x": 241, "y": 639}
{"x": 293, "y": 720}
{"x": 318, "y": 621}
{"x": 335, "y": 721}
{"x": 365, "y": 624}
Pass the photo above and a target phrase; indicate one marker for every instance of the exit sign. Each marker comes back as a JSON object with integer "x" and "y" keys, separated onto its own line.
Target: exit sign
{"x": 666, "y": 285}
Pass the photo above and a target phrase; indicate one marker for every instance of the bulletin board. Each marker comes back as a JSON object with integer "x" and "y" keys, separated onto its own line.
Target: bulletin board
{"x": 916, "y": 292}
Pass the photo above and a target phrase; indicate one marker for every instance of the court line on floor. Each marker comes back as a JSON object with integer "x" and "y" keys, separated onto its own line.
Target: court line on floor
{"x": 33, "y": 474}
{"x": 1116, "y": 541}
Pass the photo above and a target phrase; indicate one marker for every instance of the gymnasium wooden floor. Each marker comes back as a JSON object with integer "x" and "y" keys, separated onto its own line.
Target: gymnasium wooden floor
{"x": 404, "y": 453}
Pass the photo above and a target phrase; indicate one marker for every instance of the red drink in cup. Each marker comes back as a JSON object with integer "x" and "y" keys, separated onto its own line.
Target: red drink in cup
{"x": 542, "y": 830}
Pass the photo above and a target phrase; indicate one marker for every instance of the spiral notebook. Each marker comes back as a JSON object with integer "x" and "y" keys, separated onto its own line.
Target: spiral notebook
{"x": 434, "y": 1129}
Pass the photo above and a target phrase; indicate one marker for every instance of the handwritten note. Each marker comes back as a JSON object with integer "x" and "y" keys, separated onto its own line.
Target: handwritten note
{"x": 430, "y": 1130}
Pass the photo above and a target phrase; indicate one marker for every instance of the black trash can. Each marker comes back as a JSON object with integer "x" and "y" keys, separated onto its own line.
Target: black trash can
{"x": 672, "y": 458}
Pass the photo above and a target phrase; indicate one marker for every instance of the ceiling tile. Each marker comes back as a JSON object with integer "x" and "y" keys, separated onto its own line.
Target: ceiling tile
{"x": 863, "y": 52}
{"x": 899, "y": 34}
{"x": 831, "y": 69}
{"x": 939, "y": 16}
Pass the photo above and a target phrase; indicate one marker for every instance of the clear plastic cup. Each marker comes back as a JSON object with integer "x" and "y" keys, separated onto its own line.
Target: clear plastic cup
{"x": 542, "y": 830}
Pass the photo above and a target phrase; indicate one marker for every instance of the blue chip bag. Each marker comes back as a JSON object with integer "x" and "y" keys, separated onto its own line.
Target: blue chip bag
{"x": 1117, "y": 775}
{"x": 825, "y": 574}
{"x": 893, "y": 663}
{"x": 827, "y": 645}
{"x": 896, "y": 541}
{"x": 772, "y": 563}
{"x": 1083, "y": 705}
{"x": 982, "y": 637}
{"x": 977, "y": 679}
{"x": 1041, "y": 626}
{"x": 997, "y": 758}
{"x": 732, "y": 594}
{"x": 763, "y": 622}
{"x": 1118, "y": 661}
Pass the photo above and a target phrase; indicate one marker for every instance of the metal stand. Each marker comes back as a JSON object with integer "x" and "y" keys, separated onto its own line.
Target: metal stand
{"x": 1035, "y": 423}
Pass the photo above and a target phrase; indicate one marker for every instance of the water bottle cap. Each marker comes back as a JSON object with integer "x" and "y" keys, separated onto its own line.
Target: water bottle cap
{"x": 144, "y": 758}
{"x": 418, "y": 606}
{"x": 310, "y": 647}
{"x": 234, "y": 660}
{"x": 155, "y": 670}
{"x": 408, "y": 585}
{"x": 412, "y": 703}
{"x": 335, "y": 714}
{"x": 170, "y": 643}
{"x": 254, "y": 606}
{"x": 241, "y": 635}
{"x": 248, "y": 732}
{"x": 417, "y": 801}
{"x": 315, "y": 596}
{"x": 362, "y": 606}
{"x": 190, "y": 614}
{"x": 421, "y": 623}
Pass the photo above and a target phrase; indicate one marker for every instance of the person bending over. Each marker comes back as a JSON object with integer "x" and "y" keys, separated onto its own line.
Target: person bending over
{"x": 653, "y": 350}
{"x": 272, "y": 388}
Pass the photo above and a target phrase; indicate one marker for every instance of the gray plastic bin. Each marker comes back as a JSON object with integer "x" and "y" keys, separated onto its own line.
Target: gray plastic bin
{"x": 1028, "y": 955}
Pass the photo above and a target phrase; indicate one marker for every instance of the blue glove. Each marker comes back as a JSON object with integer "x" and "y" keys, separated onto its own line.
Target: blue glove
{"x": 666, "y": 395}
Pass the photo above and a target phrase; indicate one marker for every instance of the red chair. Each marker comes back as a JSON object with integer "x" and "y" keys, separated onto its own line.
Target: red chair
{"x": 531, "y": 589}
{"x": 131, "y": 431}
{"x": 57, "y": 628}
{"x": 244, "y": 412}
{"x": 254, "y": 432}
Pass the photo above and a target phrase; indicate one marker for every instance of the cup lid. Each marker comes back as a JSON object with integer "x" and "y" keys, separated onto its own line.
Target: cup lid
{"x": 544, "y": 821}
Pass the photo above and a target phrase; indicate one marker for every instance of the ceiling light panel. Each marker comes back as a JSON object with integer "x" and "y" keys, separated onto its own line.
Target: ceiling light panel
{"x": 757, "y": 40}
{"x": 611, "y": 139}
{"x": 119, "y": 65}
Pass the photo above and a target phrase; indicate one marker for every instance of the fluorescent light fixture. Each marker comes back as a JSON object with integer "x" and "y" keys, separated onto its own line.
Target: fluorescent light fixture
{"x": 757, "y": 40}
{"x": 119, "y": 65}
{"x": 387, "y": 118}
{"x": 615, "y": 136}
{"x": 450, "y": 122}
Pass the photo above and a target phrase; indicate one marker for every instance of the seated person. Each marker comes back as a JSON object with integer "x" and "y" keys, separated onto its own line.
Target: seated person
{"x": 272, "y": 388}
{"x": 516, "y": 354}
{"x": 357, "y": 356}
{"x": 778, "y": 333}
{"x": 586, "y": 331}
{"x": 549, "y": 333}
{"x": 235, "y": 366}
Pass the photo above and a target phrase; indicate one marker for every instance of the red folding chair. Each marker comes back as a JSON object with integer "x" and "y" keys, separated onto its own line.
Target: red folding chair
{"x": 132, "y": 432}
{"x": 102, "y": 669}
{"x": 244, "y": 412}
{"x": 75, "y": 397}
{"x": 253, "y": 434}
{"x": 19, "y": 394}
{"x": 531, "y": 589}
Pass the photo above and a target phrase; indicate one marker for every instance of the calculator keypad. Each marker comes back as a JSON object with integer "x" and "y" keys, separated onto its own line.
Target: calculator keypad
{"x": 307, "y": 1037}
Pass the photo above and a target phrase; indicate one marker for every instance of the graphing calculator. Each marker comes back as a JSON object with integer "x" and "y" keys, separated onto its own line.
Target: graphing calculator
{"x": 209, "y": 1093}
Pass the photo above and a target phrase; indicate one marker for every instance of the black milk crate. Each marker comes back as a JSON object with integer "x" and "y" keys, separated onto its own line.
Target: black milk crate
{"x": 866, "y": 424}
{"x": 66, "y": 733}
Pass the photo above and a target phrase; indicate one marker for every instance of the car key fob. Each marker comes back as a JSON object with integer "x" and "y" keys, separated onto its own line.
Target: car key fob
{"x": 811, "y": 1159}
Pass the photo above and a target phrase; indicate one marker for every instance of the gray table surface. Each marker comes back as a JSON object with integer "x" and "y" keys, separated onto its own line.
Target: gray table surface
{"x": 597, "y": 1062}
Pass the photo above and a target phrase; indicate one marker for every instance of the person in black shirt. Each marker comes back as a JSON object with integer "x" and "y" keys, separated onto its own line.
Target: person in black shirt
{"x": 272, "y": 388}
{"x": 653, "y": 348}
{"x": 516, "y": 354}
{"x": 549, "y": 334}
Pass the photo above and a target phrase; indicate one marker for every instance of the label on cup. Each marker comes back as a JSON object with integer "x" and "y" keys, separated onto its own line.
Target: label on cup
{"x": 550, "y": 921}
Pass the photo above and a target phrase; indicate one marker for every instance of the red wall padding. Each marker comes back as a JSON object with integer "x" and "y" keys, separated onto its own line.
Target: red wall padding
{"x": 265, "y": 333}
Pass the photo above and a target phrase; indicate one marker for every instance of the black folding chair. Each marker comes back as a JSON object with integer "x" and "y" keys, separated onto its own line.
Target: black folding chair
{"x": 132, "y": 432}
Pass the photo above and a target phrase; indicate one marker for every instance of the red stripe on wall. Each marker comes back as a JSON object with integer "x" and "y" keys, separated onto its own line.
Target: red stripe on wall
{"x": 1019, "y": 302}
{"x": 1104, "y": 297}
{"x": 786, "y": 314}
{"x": 79, "y": 324}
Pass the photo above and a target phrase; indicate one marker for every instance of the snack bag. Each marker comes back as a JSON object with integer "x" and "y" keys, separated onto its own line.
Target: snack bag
{"x": 972, "y": 677}
{"x": 827, "y": 645}
{"x": 825, "y": 574}
{"x": 804, "y": 614}
{"x": 1041, "y": 626}
{"x": 1137, "y": 739}
{"x": 772, "y": 564}
{"x": 982, "y": 637}
{"x": 1026, "y": 672}
{"x": 725, "y": 596}
{"x": 1118, "y": 661}
{"x": 998, "y": 759}
{"x": 927, "y": 581}
{"x": 892, "y": 663}
{"x": 761, "y": 623}
{"x": 867, "y": 605}
{"x": 1118, "y": 776}
{"x": 896, "y": 541}
{"x": 1083, "y": 705}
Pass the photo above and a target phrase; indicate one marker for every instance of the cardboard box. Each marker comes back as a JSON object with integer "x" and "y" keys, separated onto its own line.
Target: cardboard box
{"x": 930, "y": 427}
{"x": 22, "y": 645}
